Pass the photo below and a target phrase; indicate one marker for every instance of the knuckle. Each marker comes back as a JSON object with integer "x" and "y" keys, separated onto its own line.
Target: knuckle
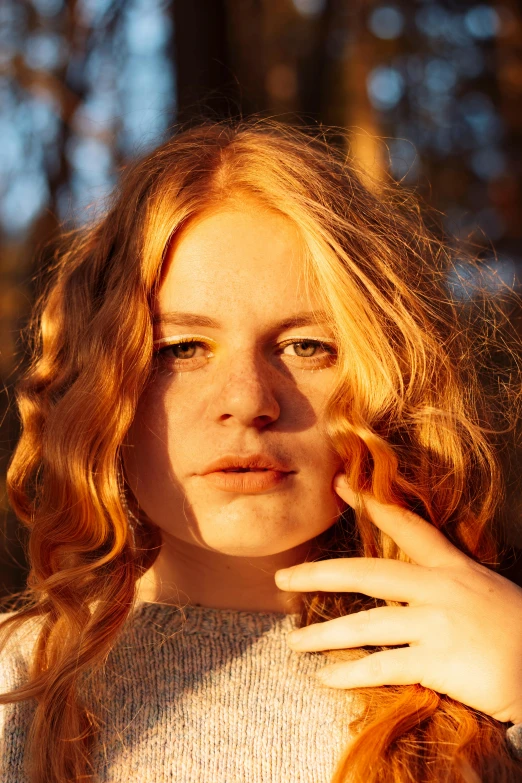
{"x": 363, "y": 621}
{"x": 375, "y": 665}
{"x": 370, "y": 564}
{"x": 304, "y": 573}
{"x": 306, "y": 570}
{"x": 462, "y": 577}
{"x": 440, "y": 621}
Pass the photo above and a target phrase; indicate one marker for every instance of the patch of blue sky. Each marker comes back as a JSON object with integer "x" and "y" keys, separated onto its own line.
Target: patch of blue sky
{"x": 48, "y": 8}
{"x": 93, "y": 11}
{"x": 90, "y": 157}
{"x": 44, "y": 50}
{"x": 146, "y": 89}
{"x": 99, "y": 112}
{"x": 24, "y": 199}
{"x": 13, "y": 21}
{"x": 44, "y": 119}
{"x": 102, "y": 67}
{"x": 89, "y": 197}
{"x": 146, "y": 27}
{"x": 11, "y": 148}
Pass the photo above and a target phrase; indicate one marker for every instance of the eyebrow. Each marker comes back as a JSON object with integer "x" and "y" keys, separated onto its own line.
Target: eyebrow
{"x": 304, "y": 318}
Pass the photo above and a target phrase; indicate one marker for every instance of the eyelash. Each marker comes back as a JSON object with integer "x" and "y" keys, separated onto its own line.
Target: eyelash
{"x": 160, "y": 352}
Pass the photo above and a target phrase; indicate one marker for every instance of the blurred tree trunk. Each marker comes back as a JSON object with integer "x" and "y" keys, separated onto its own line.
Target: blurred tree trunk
{"x": 247, "y": 52}
{"x": 356, "y": 113}
{"x": 29, "y": 258}
{"x": 506, "y": 194}
{"x": 205, "y": 82}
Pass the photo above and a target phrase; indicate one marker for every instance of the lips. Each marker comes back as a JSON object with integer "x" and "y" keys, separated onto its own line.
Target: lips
{"x": 248, "y": 473}
{"x": 248, "y": 482}
{"x": 246, "y": 463}
{"x": 242, "y": 470}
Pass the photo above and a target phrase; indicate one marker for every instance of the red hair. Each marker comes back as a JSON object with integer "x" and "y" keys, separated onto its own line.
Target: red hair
{"x": 413, "y": 417}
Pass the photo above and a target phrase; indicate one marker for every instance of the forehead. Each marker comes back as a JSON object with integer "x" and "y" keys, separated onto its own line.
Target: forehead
{"x": 249, "y": 259}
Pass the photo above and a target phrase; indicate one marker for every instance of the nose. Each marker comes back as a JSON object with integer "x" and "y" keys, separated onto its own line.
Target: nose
{"x": 244, "y": 391}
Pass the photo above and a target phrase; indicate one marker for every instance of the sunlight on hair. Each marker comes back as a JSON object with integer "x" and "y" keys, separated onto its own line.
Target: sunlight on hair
{"x": 409, "y": 416}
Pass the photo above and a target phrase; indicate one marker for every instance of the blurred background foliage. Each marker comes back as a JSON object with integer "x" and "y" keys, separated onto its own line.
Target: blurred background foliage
{"x": 428, "y": 91}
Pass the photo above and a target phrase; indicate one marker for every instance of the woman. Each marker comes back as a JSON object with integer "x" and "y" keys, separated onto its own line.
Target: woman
{"x": 253, "y": 363}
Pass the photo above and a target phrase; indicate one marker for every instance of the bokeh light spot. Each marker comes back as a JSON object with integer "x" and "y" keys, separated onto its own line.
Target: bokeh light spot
{"x": 440, "y": 75}
{"x": 309, "y": 7}
{"x": 480, "y": 115}
{"x": 385, "y": 87}
{"x": 386, "y": 22}
{"x": 482, "y": 21}
{"x": 488, "y": 163}
{"x": 434, "y": 21}
{"x": 404, "y": 160}
{"x": 492, "y": 276}
{"x": 490, "y": 221}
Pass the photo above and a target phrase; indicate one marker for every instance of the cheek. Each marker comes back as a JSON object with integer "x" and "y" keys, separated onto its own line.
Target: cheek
{"x": 146, "y": 437}
{"x": 161, "y": 427}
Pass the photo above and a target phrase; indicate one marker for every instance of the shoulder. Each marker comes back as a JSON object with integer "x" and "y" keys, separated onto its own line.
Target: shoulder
{"x": 15, "y": 717}
{"x": 15, "y": 651}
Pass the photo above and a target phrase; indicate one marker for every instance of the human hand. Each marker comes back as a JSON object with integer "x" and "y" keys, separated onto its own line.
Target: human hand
{"x": 463, "y": 622}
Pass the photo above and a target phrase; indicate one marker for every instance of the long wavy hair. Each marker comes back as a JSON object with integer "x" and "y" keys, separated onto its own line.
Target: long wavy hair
{"x": 415, "y": 415}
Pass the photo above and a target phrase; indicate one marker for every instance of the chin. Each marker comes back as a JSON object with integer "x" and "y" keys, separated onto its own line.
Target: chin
{"x": 246, "y": 546}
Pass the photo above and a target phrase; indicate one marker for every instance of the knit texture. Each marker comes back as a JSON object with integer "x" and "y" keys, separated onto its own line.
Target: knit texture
{"x": 199, "y": 695}
{"x": 514, "y": 740}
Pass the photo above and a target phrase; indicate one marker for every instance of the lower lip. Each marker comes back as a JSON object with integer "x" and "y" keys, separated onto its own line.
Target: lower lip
{"x": 248, "y": 482}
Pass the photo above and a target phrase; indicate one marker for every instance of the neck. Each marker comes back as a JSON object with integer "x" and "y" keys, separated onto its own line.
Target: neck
{"x": 186, "y": 573}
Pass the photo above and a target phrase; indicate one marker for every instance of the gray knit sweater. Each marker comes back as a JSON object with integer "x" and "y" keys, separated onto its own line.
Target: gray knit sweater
{"x": 215, "y": 698}
{"x": 198, "y": 695}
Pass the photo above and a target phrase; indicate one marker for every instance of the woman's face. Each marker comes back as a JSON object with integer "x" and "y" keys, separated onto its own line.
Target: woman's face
{"x": 246, "y": 386}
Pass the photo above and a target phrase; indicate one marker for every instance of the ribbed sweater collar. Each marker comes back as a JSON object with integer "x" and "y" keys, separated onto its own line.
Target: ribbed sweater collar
{"x": 203, "y": 619}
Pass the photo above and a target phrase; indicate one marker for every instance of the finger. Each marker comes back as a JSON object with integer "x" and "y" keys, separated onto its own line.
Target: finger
{"x": 393, "y": 580}
{"x": 379, "y": 626}
{"x": 387, "y": 667}
{"x": 419, "y": 539}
